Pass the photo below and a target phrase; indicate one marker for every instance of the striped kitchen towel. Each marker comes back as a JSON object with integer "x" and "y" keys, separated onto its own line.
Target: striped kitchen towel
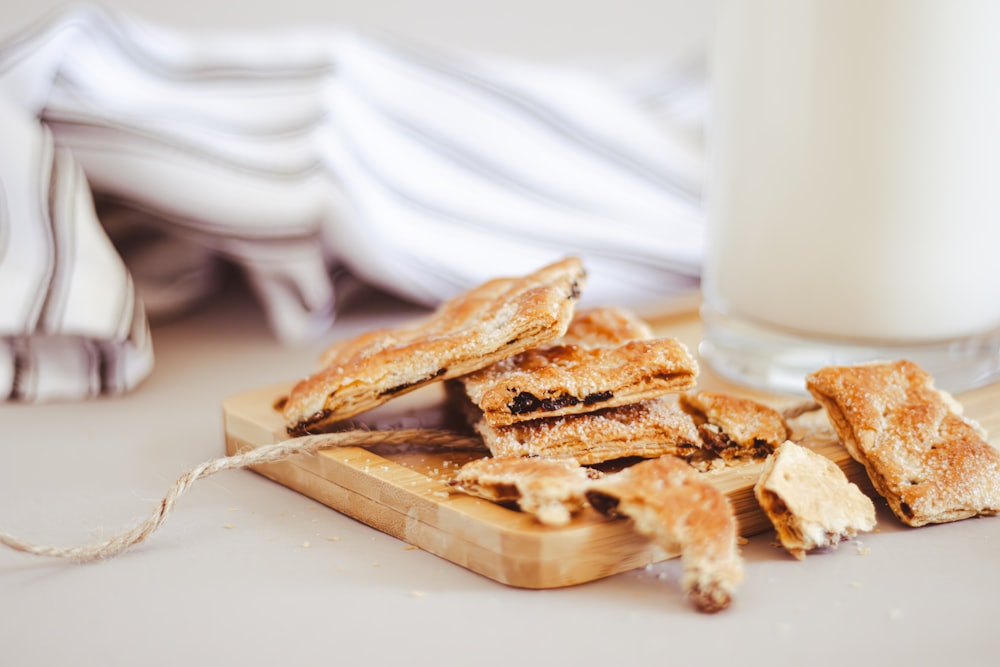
{"x": 136, "y": 160}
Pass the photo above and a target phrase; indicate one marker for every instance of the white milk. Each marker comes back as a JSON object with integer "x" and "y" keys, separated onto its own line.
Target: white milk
{"x": 854, "y": 187}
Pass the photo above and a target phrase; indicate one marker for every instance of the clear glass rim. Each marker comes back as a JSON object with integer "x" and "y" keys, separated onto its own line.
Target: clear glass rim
{"x": 778, "y": 361}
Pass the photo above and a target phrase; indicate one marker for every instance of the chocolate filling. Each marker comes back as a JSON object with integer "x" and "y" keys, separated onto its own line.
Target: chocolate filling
{"x": 523, "y": 402}
{"x": 598, "y": 397}
{"x": 761, "y": 448}
{"x": 527, "y": 402}
{"x": 305, "y": 427}
{"x": 715, "y": 441}
{"x": 574, "y": 290}
{"x": 603, "y": 503}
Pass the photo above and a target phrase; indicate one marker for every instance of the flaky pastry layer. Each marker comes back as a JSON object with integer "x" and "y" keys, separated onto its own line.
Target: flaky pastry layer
{"x": 931, "y": 464}
{"x": 607, "y": 358}
{"x": 810, "y": 501}
{"x": 500, "y": 318}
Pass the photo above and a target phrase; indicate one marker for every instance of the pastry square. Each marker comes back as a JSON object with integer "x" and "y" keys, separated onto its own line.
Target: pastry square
{"x": 647, "y": 429}
{"x": 606, "y": 358}
{"x": 929, "y": 462}
{"x": 500, "y": 318}
{"x": 810, "y": 501}
{"x": 551, "y": 489}
{"x": 669, "y": 502}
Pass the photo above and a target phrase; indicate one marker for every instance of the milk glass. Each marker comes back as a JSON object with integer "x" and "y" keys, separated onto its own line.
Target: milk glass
{"x": 854, "y": 189}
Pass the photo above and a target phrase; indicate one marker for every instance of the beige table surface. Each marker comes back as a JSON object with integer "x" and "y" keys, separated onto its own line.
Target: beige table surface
{"x": 247, "y": 572}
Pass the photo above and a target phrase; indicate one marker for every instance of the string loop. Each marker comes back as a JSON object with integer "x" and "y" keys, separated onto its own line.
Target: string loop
{"x": 273, "y": 453}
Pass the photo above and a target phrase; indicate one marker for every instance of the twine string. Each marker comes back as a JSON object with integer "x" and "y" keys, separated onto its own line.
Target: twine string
{"x": 273, "y": 453}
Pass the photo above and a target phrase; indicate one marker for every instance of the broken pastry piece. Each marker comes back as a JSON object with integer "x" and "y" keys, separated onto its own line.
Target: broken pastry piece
{"x": 735, "y": 429}
{"x": 929, "y": 462}
{"x": 607, "y": 358}
{"x": 500, "y": 318}
{"x": 648, "y": 429}
{"x": 668, "y": 502}
{"x": 551, "y": 489}
{"x": 810, "y": 501}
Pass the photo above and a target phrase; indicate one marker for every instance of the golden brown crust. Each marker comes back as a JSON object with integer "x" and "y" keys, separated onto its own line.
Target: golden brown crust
{"x": 551, "y": 489}
{"x": 502, "y": 317}
{"x": 605, "y": 327}
{"x": 669, "y": 503}
{"x": 607, "y": 358}
{"x": 736, "y": 429}
{"x": 648, "y": 429}
{"x": 810, "y": 501}
{"x": 930, "y": 463}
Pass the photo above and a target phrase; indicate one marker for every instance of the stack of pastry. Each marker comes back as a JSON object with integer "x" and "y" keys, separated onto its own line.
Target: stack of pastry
{"x": 550, "y": 389}
{"x": 567, "y": 401}
{"x": 606, "y": 390}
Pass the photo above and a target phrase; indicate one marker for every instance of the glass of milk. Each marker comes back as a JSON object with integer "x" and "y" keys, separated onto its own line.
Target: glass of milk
{"x": 854, "y": 189}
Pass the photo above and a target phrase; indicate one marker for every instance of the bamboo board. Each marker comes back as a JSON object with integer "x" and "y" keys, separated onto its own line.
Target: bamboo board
{"x": 406, "y": 495}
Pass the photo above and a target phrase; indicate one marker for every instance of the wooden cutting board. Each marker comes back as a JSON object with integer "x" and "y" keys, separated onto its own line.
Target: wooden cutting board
{"x": 406, "y": 494}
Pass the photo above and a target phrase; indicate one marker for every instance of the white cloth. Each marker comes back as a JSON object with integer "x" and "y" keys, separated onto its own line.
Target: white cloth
{"x": 298, "y": 153}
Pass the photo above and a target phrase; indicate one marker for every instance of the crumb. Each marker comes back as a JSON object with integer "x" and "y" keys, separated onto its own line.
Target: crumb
{"x": 742, "y": 540}
{"x": 441, "y": 494}
{"x": 864, "y": 551}
{"x": 410, "y": 547}
{"x": 376, "y": 564}
{"x": 335, "y": 538}
{"x": 418, "y": 594}
{"x": 856, "y": 584}
{"x": 306, "y": 545}
{"x": 228, "y": 526}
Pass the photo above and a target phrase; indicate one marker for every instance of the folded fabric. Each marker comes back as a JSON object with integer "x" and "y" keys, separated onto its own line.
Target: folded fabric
{"x": 136, "y": 160}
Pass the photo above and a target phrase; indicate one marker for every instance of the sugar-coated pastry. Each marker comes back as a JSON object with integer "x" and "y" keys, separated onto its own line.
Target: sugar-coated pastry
{"x": 500, "y": 318}
{"x": 929, "y": 462}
